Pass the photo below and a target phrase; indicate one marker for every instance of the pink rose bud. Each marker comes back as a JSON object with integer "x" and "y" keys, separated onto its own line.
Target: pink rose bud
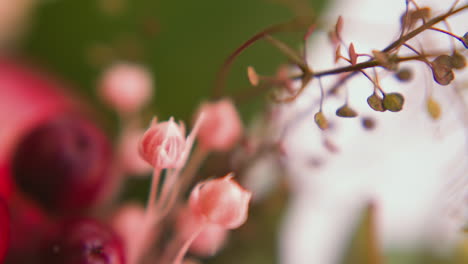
{"x": 221, "y": 127}
{"x": 208, "y": 242}
{"x": 163, "y": 145}
{"x": 126, "y": 87}
{"x": 221, "y": 201}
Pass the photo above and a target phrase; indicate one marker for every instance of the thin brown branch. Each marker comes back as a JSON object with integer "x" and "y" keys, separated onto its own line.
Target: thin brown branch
{"x": 218, "y": 89}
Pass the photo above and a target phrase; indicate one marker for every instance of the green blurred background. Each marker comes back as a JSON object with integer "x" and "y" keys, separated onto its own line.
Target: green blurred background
{"x": 183, "y": 43}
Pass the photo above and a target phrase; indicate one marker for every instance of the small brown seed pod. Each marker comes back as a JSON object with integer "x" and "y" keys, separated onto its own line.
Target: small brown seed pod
{"x": 346, "y": 111}
{"x": 375, "y": 102}
{"x": 393, "y": 102}
{"x": 321, "y": 121}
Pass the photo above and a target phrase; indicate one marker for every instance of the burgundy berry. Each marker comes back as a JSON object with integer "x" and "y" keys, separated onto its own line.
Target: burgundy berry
{"x": 63, "y": 163}
{"x": 84, "y": 241}
{"x": 5, "y": 182}
{"x": 29, "y": 227}
{"x": 4, "y": 229}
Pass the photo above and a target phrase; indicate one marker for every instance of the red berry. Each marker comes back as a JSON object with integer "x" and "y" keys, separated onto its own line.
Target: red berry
{"x": 5, "y": 182}
{"x": 63, "y": 163}
{"x": 84, "y": 241}
{"x": 4, "y": 229}
{"x": 30, "y": 226}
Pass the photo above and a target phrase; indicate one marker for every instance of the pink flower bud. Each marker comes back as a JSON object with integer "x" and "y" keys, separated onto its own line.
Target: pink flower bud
{"x": 163, "y": 145}
{"x": 221, "y": 127}
{"x": 208, "y": 242}
{"x": 126, "y": 87}
{"x": 221, "y": 201}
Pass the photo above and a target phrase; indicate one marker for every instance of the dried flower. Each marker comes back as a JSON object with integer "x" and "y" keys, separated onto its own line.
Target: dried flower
{"x": 221, "y": 201}
{"x": 221, "y": 127}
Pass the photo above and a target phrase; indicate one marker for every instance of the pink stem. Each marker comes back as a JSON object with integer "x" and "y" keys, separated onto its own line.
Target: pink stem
{"x": 193, "y": 165}
{"x": 153, "y": 192}
{"x": 170, "y": 183}
{"x": 185, "y": 247}
{"x": 139, "y": 245}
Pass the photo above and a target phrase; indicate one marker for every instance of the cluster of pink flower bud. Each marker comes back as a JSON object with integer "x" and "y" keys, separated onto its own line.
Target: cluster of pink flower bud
{"x": 57, "y": 166}
{"x": 214, "y": 205}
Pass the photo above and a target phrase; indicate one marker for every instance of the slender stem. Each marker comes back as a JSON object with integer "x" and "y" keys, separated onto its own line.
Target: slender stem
{"x": 352, "y": 69}
{"x": 185, "y": 247}
{"x": 196, "y": 159}
{"x": 218, "y": 89}
{"x": 290, "y": 53}
{"x": 169, "y": 181}
{"x": 138, "y": 247}
{"x": 363, "y": 65}
{"x": 452, "y": 40}
{"x": 405, "y": 19}
{"x": 153, "y": 191}
{"x": 198, "y": 156}
{"x": 448, "y": 33}
{"x": 423, "y": 27}
{"x": 322, "y": 94}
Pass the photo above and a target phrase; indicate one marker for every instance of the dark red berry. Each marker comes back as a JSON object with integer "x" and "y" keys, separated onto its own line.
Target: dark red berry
{"x": 4, "y": 229}
{"x": 84, "y": 241}
{"x": 5, "y": 182}
{"x": 63, "y": 163}
{"x": 29, "y": 227}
